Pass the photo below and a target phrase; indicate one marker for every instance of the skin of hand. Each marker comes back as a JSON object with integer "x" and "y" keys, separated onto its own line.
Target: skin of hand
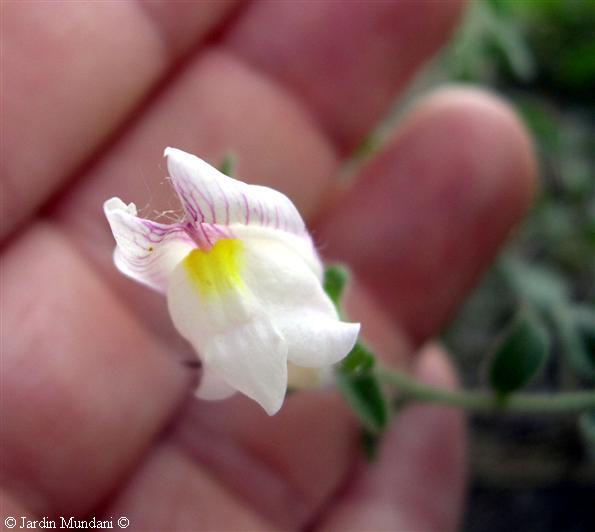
{"x": 98, "y": 417}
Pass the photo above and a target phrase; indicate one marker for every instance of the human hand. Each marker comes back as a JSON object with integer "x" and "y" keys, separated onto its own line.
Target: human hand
{"x": 97, "y": 414}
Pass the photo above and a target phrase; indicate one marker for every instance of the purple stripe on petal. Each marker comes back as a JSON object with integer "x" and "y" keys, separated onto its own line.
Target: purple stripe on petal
{"x": 224, "y": 196}
{"x": 247, "y": 208}
{"x": 225, "y": 201}
{"x": 146, "y": 250}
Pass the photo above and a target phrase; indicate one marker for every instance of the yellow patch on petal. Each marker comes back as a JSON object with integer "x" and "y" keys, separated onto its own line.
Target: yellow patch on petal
{"x": 217, "y": 270}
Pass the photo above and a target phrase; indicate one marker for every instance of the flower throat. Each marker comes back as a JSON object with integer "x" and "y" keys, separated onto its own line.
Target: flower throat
{"x": 218, "y": 269}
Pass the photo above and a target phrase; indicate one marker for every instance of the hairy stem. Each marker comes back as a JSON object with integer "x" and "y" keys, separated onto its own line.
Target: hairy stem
{"x": 486, "y": 402}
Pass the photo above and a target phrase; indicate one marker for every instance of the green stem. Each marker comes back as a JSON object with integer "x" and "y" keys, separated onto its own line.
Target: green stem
{"x": 485, "y": 402}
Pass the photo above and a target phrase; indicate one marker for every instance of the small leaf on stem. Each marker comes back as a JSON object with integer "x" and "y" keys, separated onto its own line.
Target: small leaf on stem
{"x": 584, "y": 319}
{"x": 586, "y": 425}
{"x": 519, "y": 353}
{"x": 357, "y": 383}
{"x": 364, "y": 394}
{"x": 335, "y": 279}
{"x": 228, "y": 165}
{"x": 359, "y": 360}
{"x": 370, "y": 444}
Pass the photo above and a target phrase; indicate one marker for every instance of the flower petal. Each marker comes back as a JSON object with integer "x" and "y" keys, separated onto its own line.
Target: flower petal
{"x": 213, "y": 388}
{"x": 293, "y": 296}
{"x": 147, "y": 251}
{"x": 236, "y": 340}
{"x": 253, "y": 359}
{"x": 208, "y": 196}
{"x": 289, "y": 243}
{"x": 301, "y": 378}
{"x": 314, "y": 339}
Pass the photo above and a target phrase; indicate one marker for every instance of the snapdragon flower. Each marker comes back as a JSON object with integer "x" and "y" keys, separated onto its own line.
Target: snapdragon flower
{"x": 242, "y": 278}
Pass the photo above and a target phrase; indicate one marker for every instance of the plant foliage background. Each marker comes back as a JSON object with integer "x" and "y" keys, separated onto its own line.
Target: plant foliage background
{"x": 537, "y": 474}
{"x": 532, "y": 473}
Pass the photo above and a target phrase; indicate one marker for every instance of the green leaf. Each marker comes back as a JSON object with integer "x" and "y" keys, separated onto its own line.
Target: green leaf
{"x": 585, "y": 321}
{"x": 586, "y": 425}
{"x": 519, "y": 353}
{"x": 335, "y": 279}
{"x": 583, "y": 318}
{"x": 370, "y": 443}
{"x": 365, "y": 396}
{"x": 359, "y": 360}
{"x": 539, "y": 286}
{"x": 228, "y": 165}
{"x": 574, "y": 326}
{"x": 355, "y": 380}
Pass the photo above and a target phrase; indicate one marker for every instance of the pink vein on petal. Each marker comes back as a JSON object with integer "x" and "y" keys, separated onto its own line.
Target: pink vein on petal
{"x": 224, "y": 195}
{"x": 247, "y": 208}
{"x": 209, "y": 203}
{"x": 190, "y": 205}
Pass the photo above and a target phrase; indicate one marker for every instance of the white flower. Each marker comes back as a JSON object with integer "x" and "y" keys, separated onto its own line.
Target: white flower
{"x": 242, "y": 278}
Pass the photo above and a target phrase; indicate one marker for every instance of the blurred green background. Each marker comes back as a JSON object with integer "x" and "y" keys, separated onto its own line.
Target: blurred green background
{"x": 535, "y": 473}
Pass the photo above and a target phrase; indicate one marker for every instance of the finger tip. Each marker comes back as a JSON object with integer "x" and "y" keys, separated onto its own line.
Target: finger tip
{"x": 490, "y": 126}
{"x": 433, "y": 437}
{"x": 436, "y": 204}
{"x": 418, "y": 481}
{"x": 433, "y": 367}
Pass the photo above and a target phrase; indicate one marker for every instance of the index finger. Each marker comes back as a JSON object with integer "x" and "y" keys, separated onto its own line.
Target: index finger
{"x": 71, "y": 74}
